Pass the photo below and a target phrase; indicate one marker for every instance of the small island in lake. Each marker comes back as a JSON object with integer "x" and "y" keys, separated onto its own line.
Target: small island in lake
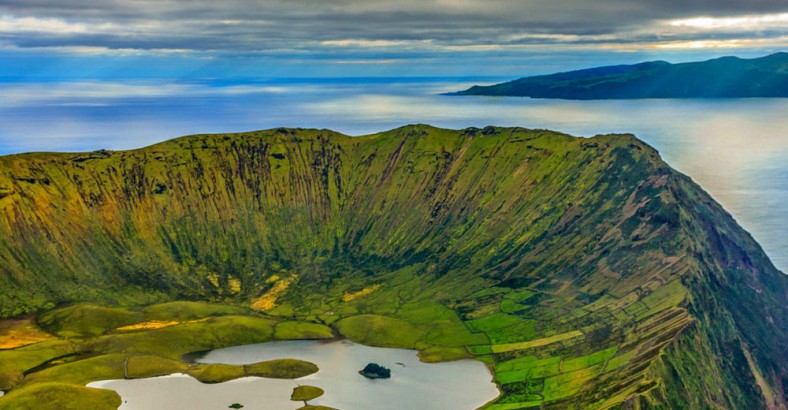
{"x": 306, "y": 393}
{"x": 375, "y": 371}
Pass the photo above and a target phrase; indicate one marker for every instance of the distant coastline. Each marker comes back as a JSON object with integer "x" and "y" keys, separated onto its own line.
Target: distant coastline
{"x": 725, "y": 77}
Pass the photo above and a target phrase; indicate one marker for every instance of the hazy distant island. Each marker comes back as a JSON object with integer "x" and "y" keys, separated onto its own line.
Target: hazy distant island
{"x": 725, "y": 77}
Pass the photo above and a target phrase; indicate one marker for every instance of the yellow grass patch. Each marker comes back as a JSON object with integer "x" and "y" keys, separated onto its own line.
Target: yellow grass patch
{"x": 20, "y": 332}
{"x": 347, "y": 297}
{"x": 507, "y": 347}
{"x": 235, "y": 285}
{"x": 156, "y": 324}
{"x": 153, "y": 324}
{"x": 268, "y": 300}
{"x": 214, "y": 279}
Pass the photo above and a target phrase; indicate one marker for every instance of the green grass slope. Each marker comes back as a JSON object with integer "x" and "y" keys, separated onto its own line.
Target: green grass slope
{"x": 585, "y": 272}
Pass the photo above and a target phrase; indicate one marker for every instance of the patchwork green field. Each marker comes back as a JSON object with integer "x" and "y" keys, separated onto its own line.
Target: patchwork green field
{"x": 584, "y": 272}
{"x": 93, "y": 348}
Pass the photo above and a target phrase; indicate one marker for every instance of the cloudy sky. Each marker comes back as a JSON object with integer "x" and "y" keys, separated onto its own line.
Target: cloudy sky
{"x": 314, "y": 38}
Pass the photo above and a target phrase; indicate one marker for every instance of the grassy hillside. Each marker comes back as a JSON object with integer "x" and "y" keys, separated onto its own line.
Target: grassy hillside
{"x": 586, "y": 272}
{"x": 726, "y": 77}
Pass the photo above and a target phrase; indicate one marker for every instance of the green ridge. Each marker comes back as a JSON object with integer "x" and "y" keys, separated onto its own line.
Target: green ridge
{"x": 585, "y": 272}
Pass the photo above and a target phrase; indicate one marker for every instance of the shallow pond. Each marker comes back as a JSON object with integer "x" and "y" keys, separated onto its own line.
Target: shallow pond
{"x": 463, "y": 384}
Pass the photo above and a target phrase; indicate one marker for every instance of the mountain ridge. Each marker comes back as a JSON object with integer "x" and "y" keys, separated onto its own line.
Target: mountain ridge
{"x": 547, "y": 245}
{"x": 723, "y": 77}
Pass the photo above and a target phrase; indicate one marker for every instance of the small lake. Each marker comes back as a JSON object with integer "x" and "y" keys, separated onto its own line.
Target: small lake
{"x": 462, "y": 384}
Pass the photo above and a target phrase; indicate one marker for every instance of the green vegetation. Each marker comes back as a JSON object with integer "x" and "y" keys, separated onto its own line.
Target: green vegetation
{"x": 583, "y": 362}
{"x": 443, "y": 354}
{"x": 306, "y": 393}
{"x": 175, "y": 341}
{"x": 377, "y": 330}
{"x": 508, "y": 347}
{"x": 138, "y": 367}
{"x": 101, "y": 352}
{"x": 86, "y": 320}
{"x": 585, "y": 272}
{"x": 184, "y": 311}
{"x": 141, "y": 366}
{"x": 301, "y": 330}
{"x": 281, "y": 369}
{"x": 375, "y": 371}
{"x": 83, "y": 371}
{"x": 60, "y": 396}
{"x": 274, "y": 369}
{"x": 428, "y": 326}
{"x": 216, "y": 373}
{"x": 13, "y": 363}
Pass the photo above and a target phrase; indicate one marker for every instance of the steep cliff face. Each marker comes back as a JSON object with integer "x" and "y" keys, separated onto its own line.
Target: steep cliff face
{"x": 600, "y": 276}
{"x": 738, "y": 299}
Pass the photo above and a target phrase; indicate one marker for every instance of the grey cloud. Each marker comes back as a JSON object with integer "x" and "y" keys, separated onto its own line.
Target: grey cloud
{"x": 254, "y": 26}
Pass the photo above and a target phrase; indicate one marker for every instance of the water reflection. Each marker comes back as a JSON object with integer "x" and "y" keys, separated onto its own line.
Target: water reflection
{"x": 463, "y": 384}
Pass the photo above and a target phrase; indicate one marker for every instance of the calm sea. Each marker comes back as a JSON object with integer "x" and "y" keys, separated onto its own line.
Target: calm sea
{"x": 736, "y": 149}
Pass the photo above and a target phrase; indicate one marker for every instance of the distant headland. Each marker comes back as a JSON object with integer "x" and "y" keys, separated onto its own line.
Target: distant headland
{"x": 725, "y": 77}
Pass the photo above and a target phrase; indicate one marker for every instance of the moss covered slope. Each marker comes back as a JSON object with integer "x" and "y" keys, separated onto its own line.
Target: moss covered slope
{"x": 586, "y": 271}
